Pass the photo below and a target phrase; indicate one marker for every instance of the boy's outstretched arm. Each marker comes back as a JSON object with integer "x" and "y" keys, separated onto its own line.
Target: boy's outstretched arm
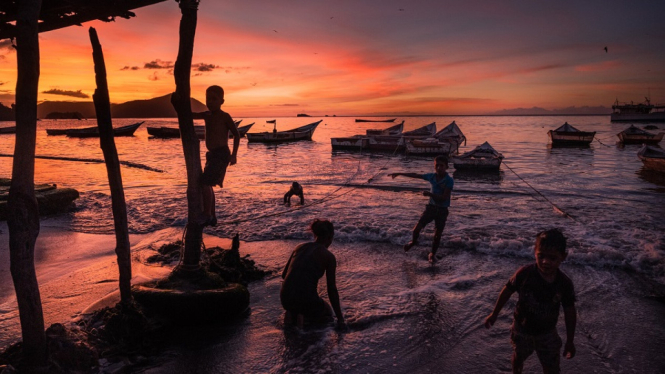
{"x": 504, "y": 296}
{"x": 410, "y": 175}
{"x": 570, "y": 316}
{"x": 236, "y": 143}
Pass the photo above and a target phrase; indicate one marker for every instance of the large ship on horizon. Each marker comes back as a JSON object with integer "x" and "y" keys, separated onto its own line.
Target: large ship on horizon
{"x": 642, "y": 112}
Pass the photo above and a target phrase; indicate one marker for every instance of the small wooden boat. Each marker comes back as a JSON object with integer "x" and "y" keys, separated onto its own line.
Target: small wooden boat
{"x": 397, "y": 143}
{"x": 444, "y": 142}
{"x": 635, "y": 135}
{"x": 299, "y": 133}
{"x": 392, "y": 130}
{"x": 483, "y": 157}
{"x": 567, "y": 135}
{"x": 164, "y": 132}
{"x": 271, "y": 121}
{"x": 93, "y": 132}
{"x": 50, "y": 198}
{"x": 375, "y": 120}
{"x": 8, "y": 130}
{"x": 358, "y": 142}
{"x": 652, "y": 157}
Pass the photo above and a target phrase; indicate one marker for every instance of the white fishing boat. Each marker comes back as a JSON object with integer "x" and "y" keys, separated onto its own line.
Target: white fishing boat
{"x": 299, "y": 133}
{"x": 358, "y": 142}
{"x": 569, "y": 135}
{"x": 642, "y": 112}
{"x": 481, "y": 158}
{"x": 444, "y": 142}
{"x": 397, "y": 143}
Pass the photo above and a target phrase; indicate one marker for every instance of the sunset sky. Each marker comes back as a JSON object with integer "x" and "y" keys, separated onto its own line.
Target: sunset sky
{"x": 371, "y": 57}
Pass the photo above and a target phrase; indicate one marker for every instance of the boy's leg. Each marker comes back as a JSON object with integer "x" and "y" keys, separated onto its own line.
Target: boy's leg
{"x": 439, "y": 225}
{"x": 523, "y": 347}
{"x": 414, "y": 237}
{"x": 548, "y": 349}
{"x": 209, "y": 206}
{"x": 435, "y": 244}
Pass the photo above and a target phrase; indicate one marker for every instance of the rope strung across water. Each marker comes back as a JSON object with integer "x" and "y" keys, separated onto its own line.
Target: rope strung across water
{"x": 329, "y": 197}
{"x": 93, "y": 160}
{"x": 539, "y": 193}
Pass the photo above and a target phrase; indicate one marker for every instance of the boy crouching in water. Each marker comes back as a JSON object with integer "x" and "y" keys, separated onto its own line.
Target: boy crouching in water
{"x": 542, "y": 289}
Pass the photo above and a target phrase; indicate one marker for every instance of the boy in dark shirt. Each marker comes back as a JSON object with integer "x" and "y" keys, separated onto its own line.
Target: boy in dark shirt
{"x": 542, "y": 289}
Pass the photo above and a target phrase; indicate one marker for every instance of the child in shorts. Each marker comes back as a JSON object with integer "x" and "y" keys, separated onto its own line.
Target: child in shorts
{"x": 542, "y": 289}
{"x": 218, "y": 126}
{"x": 437, "y": 207}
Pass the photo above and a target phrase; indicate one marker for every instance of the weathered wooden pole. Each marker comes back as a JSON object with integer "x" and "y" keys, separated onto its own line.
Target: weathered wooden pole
{"x": 190, "y": 142}
{"x": 23, "y": 216}
{"x": 107, "y": 143}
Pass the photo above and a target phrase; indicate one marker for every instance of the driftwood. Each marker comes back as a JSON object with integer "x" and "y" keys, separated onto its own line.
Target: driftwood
{"x": 107, "y": 143}
{"x": 190, "y": 142}
{"x": 23, "y": 219}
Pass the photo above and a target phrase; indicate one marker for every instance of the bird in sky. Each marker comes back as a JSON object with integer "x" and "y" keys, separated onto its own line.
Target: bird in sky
{"x": 605, "y": 49}
{"x": 274, "y": 30}
{"x": 401, "y": 10}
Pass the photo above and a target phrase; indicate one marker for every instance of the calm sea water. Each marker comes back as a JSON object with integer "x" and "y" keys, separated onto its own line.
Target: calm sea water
{"x": 406, "y": 315}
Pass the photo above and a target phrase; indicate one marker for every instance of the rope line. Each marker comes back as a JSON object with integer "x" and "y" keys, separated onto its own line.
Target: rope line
{"x": 329, "y": 197}
{"x": 539, "y": 193}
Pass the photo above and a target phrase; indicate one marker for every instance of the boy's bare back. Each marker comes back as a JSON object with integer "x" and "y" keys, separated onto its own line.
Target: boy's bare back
{"x": 218, "y": 124}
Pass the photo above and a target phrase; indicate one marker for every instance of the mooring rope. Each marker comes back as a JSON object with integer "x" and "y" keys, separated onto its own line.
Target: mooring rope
{"x": 561, "y": 211}
{"x": 93, "y": 160}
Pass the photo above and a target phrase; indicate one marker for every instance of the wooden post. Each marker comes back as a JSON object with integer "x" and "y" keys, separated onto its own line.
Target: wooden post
{"x": 23, "y": 216}
{"x": 190, "y": 142}
{"x": 107, "y": 143}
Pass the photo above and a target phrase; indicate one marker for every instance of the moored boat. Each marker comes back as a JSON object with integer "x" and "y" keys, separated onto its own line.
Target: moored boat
{"x": 652, "y": 157}
{"x": 635, "y": 135}
{"x": 569, "y": 135}
{"x": 165, "y": 132}
{"x": 643, "y": 112}
{"x": 8, "y": 130}
{"x": 358, "y": 142}
{"x": 392, "y": 130}
{"x": 50, "y": 198}
{"x": 483, "y": 157}
{"x": 93, "y": 132}
{"x": 444, "y": 142}
{"x": 397, "y": 143}
{"x": 299, "y": 133}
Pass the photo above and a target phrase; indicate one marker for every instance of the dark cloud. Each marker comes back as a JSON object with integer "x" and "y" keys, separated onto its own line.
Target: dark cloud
{"x": 57, "y": 91}
{"x": 158, "y": 64}
{"x": 2, "y": 83}
{"x": 130, "y": 68}
{"x": 204, "y": 67}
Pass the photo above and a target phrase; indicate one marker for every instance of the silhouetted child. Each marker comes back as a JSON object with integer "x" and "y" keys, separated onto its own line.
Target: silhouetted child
{"x": 218, "y": 125}
{"x": 437, "y": 207}
{"x": 542, "y": 289}
{"x": 308, "y": 263}
{"x": 296, "y": 189}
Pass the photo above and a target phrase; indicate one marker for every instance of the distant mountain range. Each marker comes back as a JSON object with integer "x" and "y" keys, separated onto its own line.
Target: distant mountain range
{"x": 536, "y": 111}
{"x": 158, "y": 107}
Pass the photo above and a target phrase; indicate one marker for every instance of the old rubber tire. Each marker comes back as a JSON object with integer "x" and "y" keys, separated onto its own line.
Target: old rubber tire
{"x": 194, "y": 307}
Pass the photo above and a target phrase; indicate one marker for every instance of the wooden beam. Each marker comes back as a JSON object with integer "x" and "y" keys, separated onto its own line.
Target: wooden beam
{"x": 61, "y": 14}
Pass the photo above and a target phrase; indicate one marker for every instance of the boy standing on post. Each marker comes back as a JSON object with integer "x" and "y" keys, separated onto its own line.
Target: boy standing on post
{"x": 439, "y": 202}
{"x": 218, "y": 124}
{"x": 542, "y": 289}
